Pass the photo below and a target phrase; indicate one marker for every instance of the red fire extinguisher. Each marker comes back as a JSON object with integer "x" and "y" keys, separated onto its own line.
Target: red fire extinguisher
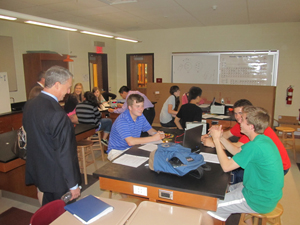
{"x": 289, "y": 95}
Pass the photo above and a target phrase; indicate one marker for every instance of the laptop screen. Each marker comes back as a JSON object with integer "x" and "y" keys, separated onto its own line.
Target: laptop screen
{"x": 192, "y": 138}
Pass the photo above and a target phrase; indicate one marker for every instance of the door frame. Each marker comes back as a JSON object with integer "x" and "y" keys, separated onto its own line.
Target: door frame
{"x": 104, "y": 67}
{"x": 128, "y": 66}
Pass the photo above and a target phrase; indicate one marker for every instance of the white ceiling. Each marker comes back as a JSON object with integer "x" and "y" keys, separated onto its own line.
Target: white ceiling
{"x": 158, "y": 14}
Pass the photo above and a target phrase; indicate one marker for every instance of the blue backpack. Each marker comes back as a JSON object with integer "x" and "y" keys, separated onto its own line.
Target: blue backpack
{"x": 176, "y": 159}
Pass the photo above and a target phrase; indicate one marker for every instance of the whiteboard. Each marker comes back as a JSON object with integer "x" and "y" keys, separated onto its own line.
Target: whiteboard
{"x": 195, "y": 68}
{"x": 234, "y": 68}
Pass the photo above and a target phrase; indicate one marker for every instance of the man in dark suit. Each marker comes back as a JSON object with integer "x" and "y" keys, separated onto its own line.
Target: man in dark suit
{"x": 52, "y": 162}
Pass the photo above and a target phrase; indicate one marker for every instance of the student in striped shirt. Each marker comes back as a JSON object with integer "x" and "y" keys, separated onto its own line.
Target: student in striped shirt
{"x": 88, "y": 113}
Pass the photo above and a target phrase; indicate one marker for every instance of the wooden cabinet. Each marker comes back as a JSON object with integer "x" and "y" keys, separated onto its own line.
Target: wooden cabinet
{"x": 10, "y": 122}
{"x": 5, "y": 124}
{"x": 36, "y": 62}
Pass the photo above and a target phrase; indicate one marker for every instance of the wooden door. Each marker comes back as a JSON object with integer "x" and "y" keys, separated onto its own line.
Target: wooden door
{"x": 140, "y": 71}
{"x": 98, "y": 71}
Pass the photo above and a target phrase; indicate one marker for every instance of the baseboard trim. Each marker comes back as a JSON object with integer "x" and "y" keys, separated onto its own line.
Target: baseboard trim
{"x": 20, "y": 198}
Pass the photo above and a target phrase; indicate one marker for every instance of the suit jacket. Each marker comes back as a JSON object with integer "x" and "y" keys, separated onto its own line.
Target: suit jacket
{"x": 52, "y": 162}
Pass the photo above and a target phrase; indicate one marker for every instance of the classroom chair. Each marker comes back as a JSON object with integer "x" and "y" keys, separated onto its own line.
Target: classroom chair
{"x": 268, "y": 218}
{"x": 288, "y": 138}
{"x": 48, "y": 213}
{"x": 84, "y": 149}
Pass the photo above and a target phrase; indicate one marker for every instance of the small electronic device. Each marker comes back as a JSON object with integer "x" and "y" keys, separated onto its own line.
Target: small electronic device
{"x": 165, "y": 194}
{"x": 217, "y": 109}
{"x": 113, "y": 103}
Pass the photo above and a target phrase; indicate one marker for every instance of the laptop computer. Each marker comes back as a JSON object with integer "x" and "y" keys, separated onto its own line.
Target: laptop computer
{"x": 206, "y": 107}
{"x": 7, "y": 143}
{"x": 192, "y": 138}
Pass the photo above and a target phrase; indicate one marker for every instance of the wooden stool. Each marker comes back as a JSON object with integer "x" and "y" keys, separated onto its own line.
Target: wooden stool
{"x": 288, "y": 142}
{"x": 270, "y": 218}
{"x": 84, "y": 148}
{"x": 98, "y": 141}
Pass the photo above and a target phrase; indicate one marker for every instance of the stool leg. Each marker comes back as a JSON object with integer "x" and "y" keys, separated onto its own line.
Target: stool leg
{"x": 241, "y": 222}
{"x": 102, "y": 151}
{"x": 93, "y": 156}
{"x": 101, "y": 146}
{"x": 84, "y": 165}
{"x": 264, "y": 221}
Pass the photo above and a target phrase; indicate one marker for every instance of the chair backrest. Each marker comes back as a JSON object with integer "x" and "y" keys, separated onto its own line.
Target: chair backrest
{"x": 48, "y": 213}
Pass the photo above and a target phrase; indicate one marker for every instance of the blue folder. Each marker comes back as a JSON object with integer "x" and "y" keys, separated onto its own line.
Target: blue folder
{"x": 89, "y": 209}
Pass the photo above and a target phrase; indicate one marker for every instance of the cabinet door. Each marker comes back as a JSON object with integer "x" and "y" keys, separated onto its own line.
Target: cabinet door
{"x": 5, "y": 124}
{"x": 16, "y": 120}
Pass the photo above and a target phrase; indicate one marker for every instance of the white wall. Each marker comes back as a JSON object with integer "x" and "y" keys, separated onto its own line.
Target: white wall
{"x": 284, "y": 37}
{"x": 33, "y": 38}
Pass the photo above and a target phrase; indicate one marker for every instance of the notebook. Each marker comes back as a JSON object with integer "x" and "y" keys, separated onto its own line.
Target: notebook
{"x": 7, "y": 143}
{"x": 192, "y": 138}
{"x": 89, "y": 209}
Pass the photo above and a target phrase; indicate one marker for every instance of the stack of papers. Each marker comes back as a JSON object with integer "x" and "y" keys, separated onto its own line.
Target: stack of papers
{"x": 89, "y": 209}
{"x": 131, "y": 160}
{"x": 148, "y": 147}
{"x": 208, "y": 157}
{"x": 212, "y": 158}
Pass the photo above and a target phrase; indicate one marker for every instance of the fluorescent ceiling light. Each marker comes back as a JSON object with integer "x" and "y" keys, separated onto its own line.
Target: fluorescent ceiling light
{"x": 126, "y": 39}
{"x": 115, "y": 2}
{"x": 50, "y": 25}
{"x": 97, "y": 34}
{"x": 7, "y": 17}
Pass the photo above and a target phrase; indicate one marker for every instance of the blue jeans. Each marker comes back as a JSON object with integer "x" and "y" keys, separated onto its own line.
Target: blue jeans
{"x": 171, "y": 123}
{"x": 105, "y": 125}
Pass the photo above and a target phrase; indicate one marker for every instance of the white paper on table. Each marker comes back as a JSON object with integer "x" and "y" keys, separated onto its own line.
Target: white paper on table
{"x": 222, "y": 117}
{"x": 212, "y": 158}
{"x": 131, "y": 160}
{"x": 154, "y": 142}
{"x": 209, "y": 157}
{"x": 204, "y": 105}
{"x": 106, "y": 105}
{"x": 149, "y": 147}
{"x": 205, "y": 116}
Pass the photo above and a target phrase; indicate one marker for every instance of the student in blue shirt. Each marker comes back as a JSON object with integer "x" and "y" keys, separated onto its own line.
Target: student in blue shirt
{"x": 127, "y": 128}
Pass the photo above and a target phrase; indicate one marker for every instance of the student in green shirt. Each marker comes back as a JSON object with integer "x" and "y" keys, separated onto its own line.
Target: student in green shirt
{"x": 263, "y": 181}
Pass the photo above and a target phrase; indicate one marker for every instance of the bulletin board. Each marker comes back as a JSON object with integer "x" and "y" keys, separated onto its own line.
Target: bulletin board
{"x": 233, "y": 68}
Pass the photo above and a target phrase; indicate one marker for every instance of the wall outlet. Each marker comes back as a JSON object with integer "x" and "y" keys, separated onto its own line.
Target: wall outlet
{"x": 139, "y": 190}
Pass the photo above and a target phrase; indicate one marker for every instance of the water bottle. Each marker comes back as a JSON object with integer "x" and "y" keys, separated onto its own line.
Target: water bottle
{"x": 222, "y": 101}
{"x": 67, "y": 196}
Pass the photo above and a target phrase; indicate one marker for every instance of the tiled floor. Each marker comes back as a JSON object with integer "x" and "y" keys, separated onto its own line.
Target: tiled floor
{"x": 290, "y": 199}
